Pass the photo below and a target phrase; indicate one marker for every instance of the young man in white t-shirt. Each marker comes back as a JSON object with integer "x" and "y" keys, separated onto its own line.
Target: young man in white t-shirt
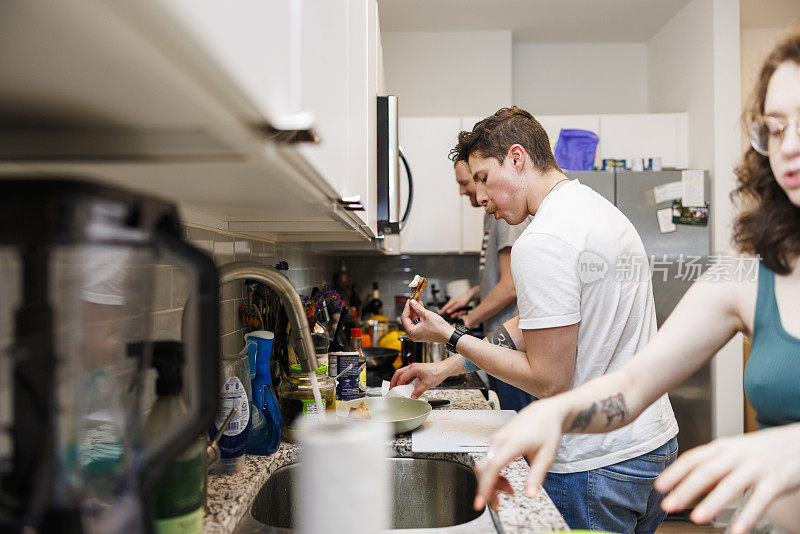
{"x": 586, "y": 307}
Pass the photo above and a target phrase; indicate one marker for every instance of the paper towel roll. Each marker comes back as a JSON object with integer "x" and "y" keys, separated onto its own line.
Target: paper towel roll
{"x": 343, "y": 478}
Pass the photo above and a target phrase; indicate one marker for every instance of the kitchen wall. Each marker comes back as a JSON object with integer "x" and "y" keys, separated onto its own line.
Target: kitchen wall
{"x": 576, "y": 78}
{"x": 306, "y": 270}
{"x": 393, "y": 273}
{"x": 448, "y": 73}
{"x": 691, "y": 68}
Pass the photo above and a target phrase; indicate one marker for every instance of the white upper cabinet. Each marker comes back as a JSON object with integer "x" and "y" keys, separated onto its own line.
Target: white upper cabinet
{"x": 258, "y": 45}
{"x": 194, "y": 100}
{"x": 627, "y": 136}
{"x": 434, "y": 222}
{"x": 340, "y": 64}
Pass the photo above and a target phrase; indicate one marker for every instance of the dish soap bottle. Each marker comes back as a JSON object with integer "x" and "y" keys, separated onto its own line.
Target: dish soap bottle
{"x": 265, "y": 435}
{"x": 234, "y": 393}
{"x": 179, "y": 494}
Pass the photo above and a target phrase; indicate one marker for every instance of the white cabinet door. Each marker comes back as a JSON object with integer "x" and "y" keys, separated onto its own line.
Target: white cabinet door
{"x": 326, "y": 90}
{"x": 339, "y": 68}
{"x": 644, "y": 135}
{"x": 434, "y": 223}
{"x": 471, "y": 217}
{"x": 258, "y": 46}
{"x": 362, "y": 163}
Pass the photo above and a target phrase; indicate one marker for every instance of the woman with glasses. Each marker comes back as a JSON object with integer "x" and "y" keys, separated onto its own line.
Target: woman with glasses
{"x": 728, "y": 299}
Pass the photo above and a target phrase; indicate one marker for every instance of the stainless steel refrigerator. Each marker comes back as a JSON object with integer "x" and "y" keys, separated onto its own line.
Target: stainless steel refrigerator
{"x": 633, "y": 194}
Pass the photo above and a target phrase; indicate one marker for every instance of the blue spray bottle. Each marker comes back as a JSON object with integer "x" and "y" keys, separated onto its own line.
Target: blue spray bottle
{"x": 267, "y": 423}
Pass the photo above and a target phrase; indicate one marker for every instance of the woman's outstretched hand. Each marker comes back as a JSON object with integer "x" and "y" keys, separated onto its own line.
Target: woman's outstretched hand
{"x": 533, "y": 433}
{"x": 766, "y": 462}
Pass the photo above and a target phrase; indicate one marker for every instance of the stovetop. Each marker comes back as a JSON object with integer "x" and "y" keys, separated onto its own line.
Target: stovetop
{"x": 377, "y": 375}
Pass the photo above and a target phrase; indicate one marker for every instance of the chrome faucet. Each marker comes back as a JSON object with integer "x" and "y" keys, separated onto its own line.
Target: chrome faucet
{"x": 290, "y": 299}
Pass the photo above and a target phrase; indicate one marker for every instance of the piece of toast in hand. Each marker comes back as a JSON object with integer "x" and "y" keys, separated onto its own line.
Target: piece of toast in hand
{"x": 417, "y": 285}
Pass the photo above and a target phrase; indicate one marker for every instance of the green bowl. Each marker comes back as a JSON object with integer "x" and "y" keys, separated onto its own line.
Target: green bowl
{"x": 403, "y": 414}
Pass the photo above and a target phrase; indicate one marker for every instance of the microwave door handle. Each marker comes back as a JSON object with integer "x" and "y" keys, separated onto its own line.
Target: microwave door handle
{"x": 410, "y": 187}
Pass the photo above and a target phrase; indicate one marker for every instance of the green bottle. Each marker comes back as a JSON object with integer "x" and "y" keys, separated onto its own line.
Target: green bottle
{"x": 179, "y": 494}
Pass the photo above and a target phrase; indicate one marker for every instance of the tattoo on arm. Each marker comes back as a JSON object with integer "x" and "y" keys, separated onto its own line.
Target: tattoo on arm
{"x": 500, "y": 336}
{"x": 583, "y": 419}
{"x": 614, "y": 407}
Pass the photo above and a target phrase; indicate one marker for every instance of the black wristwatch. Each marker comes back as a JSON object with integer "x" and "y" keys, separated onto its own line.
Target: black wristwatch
{"x": 453, "y": 341}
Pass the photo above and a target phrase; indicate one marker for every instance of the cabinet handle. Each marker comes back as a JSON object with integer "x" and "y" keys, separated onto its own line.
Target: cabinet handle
{"x": 352, "y": 203}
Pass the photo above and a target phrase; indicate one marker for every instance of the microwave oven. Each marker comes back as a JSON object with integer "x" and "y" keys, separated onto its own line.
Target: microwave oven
{"x": 389, "y": 157}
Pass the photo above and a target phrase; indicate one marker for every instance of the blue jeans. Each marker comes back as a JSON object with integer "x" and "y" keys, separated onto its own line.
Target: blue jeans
{"x": 616, "y": 498}
{"x": 511, "y": 398}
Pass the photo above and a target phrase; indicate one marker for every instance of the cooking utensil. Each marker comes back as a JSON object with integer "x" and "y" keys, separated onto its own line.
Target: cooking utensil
{"x": 337, "y": 343}
{"x": 459, "y": 430}
{"x": 424, "y": 352}
{"x": 379, "y": 356}
{"x": 438, "y": 402}
{"x": 335, "y": 378}
{"x": 404, "y": 414}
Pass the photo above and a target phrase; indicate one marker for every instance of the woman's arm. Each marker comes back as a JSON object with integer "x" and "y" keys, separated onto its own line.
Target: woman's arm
{"x": 704, "y": 320}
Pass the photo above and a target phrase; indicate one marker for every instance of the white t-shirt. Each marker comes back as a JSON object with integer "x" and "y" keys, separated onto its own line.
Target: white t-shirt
{"x": 581, "y": 260}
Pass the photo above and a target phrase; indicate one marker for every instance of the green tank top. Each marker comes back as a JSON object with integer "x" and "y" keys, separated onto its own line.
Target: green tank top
{"x": 772, "y": 374}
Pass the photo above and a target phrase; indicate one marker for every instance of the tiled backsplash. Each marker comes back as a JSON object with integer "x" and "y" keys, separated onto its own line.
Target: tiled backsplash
{"x": 306, "y": 270}
{"x": 393, "y": 273}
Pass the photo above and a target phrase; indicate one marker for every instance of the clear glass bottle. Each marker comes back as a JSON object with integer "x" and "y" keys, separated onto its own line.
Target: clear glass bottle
{"x": 296, "y": 398}
{"x": 375, "y": 305}
{"x": 321, "y": 339}
{"x": 355, "y": 346}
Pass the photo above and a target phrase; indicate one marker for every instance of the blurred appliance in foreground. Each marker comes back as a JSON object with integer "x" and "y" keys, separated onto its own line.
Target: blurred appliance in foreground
{"x": 677, "y": 254}
{"x": 77, "y": 282}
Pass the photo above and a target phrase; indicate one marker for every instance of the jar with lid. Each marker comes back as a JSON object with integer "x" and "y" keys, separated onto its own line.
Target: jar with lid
{"x": 296, "y": 398}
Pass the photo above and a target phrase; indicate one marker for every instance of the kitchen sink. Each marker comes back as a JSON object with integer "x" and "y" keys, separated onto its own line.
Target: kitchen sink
{"x": 429, "y": 496}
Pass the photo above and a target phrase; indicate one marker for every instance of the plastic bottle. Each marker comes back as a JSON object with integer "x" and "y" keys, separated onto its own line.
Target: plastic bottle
{"x": 355, "y": 346}
{"x": 251, "y": 341}
{"x": 265, "y": 434}
{"x": 234, "y": 393}
{"x": 179, "y": 494}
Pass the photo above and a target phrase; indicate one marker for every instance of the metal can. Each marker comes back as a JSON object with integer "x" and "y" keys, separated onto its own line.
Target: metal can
{"x": 347, "y": 384}
{"x": 653, "y": 164}
{"x": 614, "y": 164}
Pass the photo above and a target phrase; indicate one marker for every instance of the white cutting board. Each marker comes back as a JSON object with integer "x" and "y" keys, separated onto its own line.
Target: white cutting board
{"x": 459, "y": 430}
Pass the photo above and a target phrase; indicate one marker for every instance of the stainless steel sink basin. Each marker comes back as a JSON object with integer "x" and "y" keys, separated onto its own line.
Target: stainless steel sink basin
{"x": 429, "y": 496}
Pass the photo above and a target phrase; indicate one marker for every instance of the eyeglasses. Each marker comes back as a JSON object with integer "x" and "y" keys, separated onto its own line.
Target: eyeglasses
{"x": 766, "y": 129}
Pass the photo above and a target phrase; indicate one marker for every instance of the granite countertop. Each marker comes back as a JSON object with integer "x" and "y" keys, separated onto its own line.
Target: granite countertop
{"x": 230, "y": 496}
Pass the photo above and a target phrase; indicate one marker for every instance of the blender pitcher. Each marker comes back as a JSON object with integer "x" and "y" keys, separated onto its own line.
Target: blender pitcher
{"x": 78, "y": 263}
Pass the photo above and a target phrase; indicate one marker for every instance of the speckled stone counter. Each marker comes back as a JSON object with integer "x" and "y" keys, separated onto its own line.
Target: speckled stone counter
{"x": 229, "y": 497}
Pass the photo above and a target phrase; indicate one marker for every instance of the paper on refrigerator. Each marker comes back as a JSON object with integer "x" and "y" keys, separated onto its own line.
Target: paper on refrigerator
{"x": 693, "y": 183}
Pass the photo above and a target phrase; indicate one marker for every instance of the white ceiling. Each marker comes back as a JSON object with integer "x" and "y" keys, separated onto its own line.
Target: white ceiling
{"x": 543, "y": 21}
{"x": 769, "y": 13}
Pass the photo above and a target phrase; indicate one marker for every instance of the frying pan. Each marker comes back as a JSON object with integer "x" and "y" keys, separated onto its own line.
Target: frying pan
{"x": 404, "y": 414}
{"x": 379, "y": 356}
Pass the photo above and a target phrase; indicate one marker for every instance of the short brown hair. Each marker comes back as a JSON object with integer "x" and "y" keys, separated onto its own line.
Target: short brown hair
{"x": 494, "y": 135}
{"x": 769, "y": 224}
